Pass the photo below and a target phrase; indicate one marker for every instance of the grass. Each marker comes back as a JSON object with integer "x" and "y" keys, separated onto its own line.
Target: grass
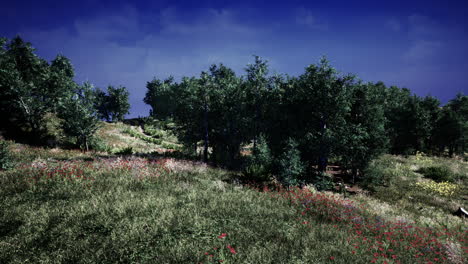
{"x": 413, "y": 193}
{"x": 65, "y": 206}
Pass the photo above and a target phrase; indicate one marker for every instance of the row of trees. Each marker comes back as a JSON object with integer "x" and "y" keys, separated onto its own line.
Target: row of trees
{"x": 320, "y": 115}
{"x": 38, "y": 98}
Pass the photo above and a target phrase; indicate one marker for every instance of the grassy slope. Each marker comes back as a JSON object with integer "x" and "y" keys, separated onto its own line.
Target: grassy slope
{"x": 124, "y": 210}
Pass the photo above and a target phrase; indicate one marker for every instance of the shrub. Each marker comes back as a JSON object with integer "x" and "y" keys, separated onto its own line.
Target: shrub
{"x": 438, "y": 174}
{"x": 153, "y": 131}
{"x": 124, "y": 151}
{"x": 170, "y": 146}
{"x": 6, "y": 159}
{"x": 290, "y": 164}
{"x": 258, "y": 166}
{"x": 441, "y": 188}
{"x": 138, "y": 135}
{"x": 98, "y": 144}
{"x": 384, "y": 171}
{"x": 323, "y": 182}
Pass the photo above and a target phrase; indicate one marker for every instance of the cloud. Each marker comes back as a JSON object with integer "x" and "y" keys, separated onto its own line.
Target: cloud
{"x": 423, "y": 50}
{"x": 433, "y": 42}
{"x": 305, "y": 17}
{"x": 116, "y": 48}
{"x": 393, "y": 24}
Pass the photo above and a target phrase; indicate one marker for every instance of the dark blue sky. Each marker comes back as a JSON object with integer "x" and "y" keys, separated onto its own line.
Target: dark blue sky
{"x": 421, "y": 45}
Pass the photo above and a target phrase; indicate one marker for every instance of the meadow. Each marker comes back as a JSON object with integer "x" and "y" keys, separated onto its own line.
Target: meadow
{"x": 132, "y": 203}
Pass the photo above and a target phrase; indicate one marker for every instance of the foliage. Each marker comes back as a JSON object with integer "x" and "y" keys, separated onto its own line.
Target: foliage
{"x": 138, "y": 135}
{"x": 6, "y": 159}
{"x": 382, "y": 172}
{"x": 440, "y": 188}
{"x": 438, "y": 173}
{"x": 79, "y": 115}
{"x": 290, "y": 165}
{"x": 451, "y": 130}
{"x": 323, "y": 181}
{"x": 173, "y": 211}
{"x": 124, "y": 151}
{"x": 259, "y": 165}
{"x": 114, "y": 105}
{"x": 365, "y": 138}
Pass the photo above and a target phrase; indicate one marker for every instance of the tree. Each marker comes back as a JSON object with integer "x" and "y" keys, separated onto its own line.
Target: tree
{"x": 79, "y": 115}
{"x": 227, "y": 112}
{"x": 118, "y": 102}
{"x": 451, "y": 130}
{"x": 431, "y": 107}
{"x": 101, "y": 104}
{"x": 364, "y": 137}
{"x": 114, "y": 105}
{"x": 160, "y": 97}
{"x": 323, "y": 99}
{"x": 24, "y": 95}
{"x": 291, "y": 167}
{"x": 60, "y": 83}
{"x": 257, "y": 83}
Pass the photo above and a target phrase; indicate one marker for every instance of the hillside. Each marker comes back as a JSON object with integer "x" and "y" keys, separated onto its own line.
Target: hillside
{"x": 130, "y": 204}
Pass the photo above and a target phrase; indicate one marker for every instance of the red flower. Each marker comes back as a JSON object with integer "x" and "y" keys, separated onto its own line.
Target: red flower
{"x": 332, "y": 258}
{"x": 233, "y": 251}
{"x": 223, "y": 235}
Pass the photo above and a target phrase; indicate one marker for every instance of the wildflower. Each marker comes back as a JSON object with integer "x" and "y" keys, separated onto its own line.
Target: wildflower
{"x": 332, "y": 258}
{"x": 233, "y": 251}
{"x": 223, "y": 235}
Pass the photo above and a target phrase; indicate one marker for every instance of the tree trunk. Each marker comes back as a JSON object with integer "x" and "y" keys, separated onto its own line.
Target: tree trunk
{"x": 354, "y": 172}
{"x": 323, "y": 159}
{"x": 205, "y": 122}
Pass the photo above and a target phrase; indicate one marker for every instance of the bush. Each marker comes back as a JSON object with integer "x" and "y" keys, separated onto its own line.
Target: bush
{"x": 290, "y": 164}
{"x": 124, "y": 151}
{"x": 438, "y": 174}
{"x": 323, "y": 182}
{"x": 98, "y": 144}
{"x": 170, "y": 146}
{"x": 153, "y": 131}
{"x": 6, "y": 159}
{"x": 136, "y": 134}
{"x": 383, "y": 172}
{"x": 258, "y": 166}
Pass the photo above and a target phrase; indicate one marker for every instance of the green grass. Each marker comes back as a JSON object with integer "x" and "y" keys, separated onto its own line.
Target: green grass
{"x": 173, "y": 218}
{"x": 66, "y": 206}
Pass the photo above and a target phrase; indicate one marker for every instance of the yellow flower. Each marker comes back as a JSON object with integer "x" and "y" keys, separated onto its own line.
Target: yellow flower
{"x": 441, "y": 188}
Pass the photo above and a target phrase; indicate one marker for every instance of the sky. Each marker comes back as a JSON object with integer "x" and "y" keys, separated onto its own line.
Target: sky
{"x": 420, "y": 45}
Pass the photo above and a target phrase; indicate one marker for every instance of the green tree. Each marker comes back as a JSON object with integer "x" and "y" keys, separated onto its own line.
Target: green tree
{"x": 24, "y": 94}
{"x": 291, "y": 167}
{"x": 59, "y": 84}
{"x": 257, "y": 83}
{"x": 101, "y": 104}
{"x": 79, "y": 115}
{"x": 365, "y": 137}
{"x": 228, "y": 125}
{"x": 118, "y": 102}
{"x": 451, "y": 130}
{"x": 159, "y": 96}
{"x": 323, "y": 101}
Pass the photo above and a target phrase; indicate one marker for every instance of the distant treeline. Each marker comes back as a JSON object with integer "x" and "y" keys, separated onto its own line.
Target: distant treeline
{"x": 295, "y": 125}
{"x": 318, "y": 116}
{"x": 40, "y": 103}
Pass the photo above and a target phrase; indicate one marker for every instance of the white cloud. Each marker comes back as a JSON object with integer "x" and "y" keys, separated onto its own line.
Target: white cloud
{"x": 422, "y": 50}
{"x": 393, "y": 24}
{"x": 179, "y": 47}
{"x": 306, "y": 18}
